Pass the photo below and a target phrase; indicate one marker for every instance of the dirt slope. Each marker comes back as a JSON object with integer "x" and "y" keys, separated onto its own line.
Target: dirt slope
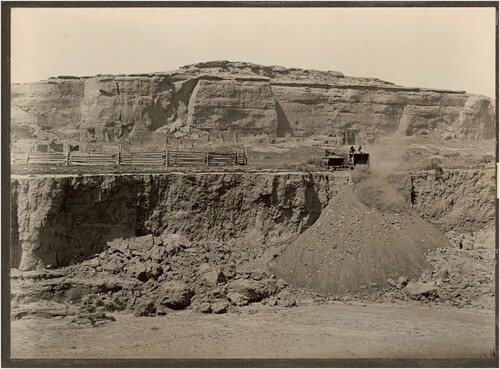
{"x": 353, "y": 247}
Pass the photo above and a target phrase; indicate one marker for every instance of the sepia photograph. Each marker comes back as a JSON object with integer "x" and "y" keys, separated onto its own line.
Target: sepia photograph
{"x": 249, "y": 184}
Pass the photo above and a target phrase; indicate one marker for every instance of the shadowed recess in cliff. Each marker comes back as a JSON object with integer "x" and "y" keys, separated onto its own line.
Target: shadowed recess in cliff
{"x": 284, "y": 126}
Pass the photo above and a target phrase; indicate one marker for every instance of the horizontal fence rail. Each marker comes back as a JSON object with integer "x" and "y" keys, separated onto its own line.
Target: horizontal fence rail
{"x": 160, "y": 158}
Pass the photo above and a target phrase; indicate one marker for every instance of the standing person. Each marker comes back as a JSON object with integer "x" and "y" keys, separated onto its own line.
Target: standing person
{"x": 360, "y": 149}
{"x": 352, "y": 150}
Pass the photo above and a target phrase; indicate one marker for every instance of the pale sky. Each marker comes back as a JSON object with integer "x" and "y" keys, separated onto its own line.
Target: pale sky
{"x": 450, "y": 48}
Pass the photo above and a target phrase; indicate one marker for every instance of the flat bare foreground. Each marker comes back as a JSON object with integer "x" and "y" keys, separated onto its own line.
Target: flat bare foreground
{"x": 332, "y": 330}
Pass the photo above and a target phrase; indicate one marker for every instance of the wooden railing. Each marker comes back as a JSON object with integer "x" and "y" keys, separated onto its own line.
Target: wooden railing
{"x": 164, "y": 158}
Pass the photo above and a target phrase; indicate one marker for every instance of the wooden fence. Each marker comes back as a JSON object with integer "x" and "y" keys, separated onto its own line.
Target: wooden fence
{"x": 163, "y": 158}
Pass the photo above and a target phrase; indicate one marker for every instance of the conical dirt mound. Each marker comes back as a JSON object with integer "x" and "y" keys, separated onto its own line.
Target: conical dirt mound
{"x": 354, "y": 248}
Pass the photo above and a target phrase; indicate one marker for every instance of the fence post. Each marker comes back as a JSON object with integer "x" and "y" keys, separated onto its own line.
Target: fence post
{"x": 118, "y": 154}
{"x": 166, "y": 155}
{"x": 207, "y": 158}
{"x": 67, "y": 158}
{"x": 26, "y": 161}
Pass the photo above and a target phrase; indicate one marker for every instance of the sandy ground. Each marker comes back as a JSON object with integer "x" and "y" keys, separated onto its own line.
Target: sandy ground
{"x": 333, "y": 330}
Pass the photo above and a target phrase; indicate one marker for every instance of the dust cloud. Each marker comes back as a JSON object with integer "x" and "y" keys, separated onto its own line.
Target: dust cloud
{"x": 374, "y": 186}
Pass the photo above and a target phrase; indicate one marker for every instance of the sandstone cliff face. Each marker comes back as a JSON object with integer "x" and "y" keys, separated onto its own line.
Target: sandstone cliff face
{"x": 240, "y": 105}
{"x": 61, "y": 220}
{"x": 248, "y": 98}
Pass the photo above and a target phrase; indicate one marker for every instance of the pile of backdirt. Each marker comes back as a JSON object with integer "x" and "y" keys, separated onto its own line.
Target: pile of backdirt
{"x": 356, "y": 248}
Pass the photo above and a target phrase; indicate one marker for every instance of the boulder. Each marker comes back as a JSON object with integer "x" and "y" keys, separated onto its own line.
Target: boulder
{"x": 211, "y": 274}
{"x": 143, "y": 243}
{"x": 443, "y": 275}
{"x": 259, "y": 274}
{"x": 229, "y": 272}
{"x": 417, "y": 290}
{"x": 402, "y": 282}
{"x": 280, "y": 284}
{"x": 250, "y": 289}
{"x": 114, "y": 265}
{"x": 175, "y": 295}
{"x": 153, "y": 270}
{"x": 158, "y": 253}
{"x": 205, "y": 308}
{"x": 94, "y": 263}
{"x": 138, "y": 271}
{"x": 118, "y": 245}
{"x": 237, "y": 299}
{"x": 144, "y": 308}
{"x": 272, "y": 301}
{"x": 286, "y": 299}
{"x": 219, "y": 307}
{"x": 175, "y": 243}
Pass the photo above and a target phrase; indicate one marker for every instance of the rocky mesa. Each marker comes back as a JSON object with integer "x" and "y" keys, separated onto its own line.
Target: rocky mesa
{"x": 221, "y": 96}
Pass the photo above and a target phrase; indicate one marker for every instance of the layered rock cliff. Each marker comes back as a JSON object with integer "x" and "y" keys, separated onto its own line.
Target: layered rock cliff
{"x": 218, "y": 96}
{"x": 63, "y": 219}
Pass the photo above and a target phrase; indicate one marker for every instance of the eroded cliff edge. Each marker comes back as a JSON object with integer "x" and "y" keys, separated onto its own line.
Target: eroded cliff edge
{"x": 59, "y": 220}
{"x": 214, "y": 97}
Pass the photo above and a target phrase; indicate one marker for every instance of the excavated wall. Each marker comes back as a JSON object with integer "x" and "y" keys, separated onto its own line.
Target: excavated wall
{"x": 61, "y": 220}
{"x": 462, "y": 200}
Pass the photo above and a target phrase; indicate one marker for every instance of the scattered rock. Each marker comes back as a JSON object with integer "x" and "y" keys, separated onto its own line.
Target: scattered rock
{"x": 280, "y": 284}
{"x": 286, "y": 299}
{"x": 220, "y": 307}
{"x": 238, "y": 299}
{"x": 229, "y": 273}
{"x": 251, "y": 290}
{"x": 205, "y": 308}
{"x": 142, "y": 243}
{"x": 145, "y": 308}
{"x": 175, "y": 295}
{"x": 402, "y": 282}
{"x": 211, "y": 274}
{"x": 153, "y": 271}
{"x": 272, "y": 301}
{"x": 138, "y": 271}
{"x": 417, "y": 290}
{"x": 159, "y": 253}
{"x": 94, "y": 319}
{"x": 175, "y": 243}
{"x": 443, "y": 275}
{"x": 113, "y": 266}
{"x": 259, "y": 274}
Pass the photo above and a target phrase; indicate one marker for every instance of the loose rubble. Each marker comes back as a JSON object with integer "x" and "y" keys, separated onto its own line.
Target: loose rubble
{"x": 150, "y": 276}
